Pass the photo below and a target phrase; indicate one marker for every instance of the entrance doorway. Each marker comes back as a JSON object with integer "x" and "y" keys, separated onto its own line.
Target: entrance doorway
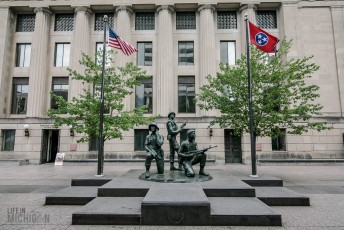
{"x": 50, "y": 145}
{"x": 233, "y": 153}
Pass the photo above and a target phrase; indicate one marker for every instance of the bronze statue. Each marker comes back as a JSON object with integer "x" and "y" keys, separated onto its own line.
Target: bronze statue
{"x": 191, "y": 155}
{"x": 153, "y": 144}
{"x": 173, "y": 130}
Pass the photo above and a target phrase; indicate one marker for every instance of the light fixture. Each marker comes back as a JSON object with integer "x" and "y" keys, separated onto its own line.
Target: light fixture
{"x": 71, "y": 131}
{"x": 26, "y": 130}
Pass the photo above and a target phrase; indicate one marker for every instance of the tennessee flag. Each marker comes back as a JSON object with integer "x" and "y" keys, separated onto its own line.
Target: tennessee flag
{"x": 262, "y": 40}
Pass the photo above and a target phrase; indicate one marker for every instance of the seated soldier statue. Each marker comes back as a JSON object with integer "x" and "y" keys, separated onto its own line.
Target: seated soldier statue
{"x": 153, "y": 144}
{"x": 191, "y": 155}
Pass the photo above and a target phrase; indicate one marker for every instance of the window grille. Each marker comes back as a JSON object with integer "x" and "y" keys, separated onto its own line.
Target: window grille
{"x": 144, "y": 21}
{"x": 99, "y": 23}
{"x": 267, "y": 19}
{"x": 25, "y": 23}
{"x": 226, "y": 20}
{"x": 64, "y": 22}
{"x": 185, "y": 20}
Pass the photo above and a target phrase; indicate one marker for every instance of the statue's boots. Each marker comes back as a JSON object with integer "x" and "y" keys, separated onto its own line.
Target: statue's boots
{"x": 172, "y": 166}
{"x": 202, "y": 172}
{"x": 180, "y": 167}
{"x": 147, "y": 174}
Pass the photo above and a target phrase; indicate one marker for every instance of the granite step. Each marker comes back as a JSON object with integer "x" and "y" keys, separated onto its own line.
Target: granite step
{"x": 280, "y": 196}
{"x": 262, "y": 181}
{"x": 175, "y": 204}
{"x": 109, "y": 211}
{"x": 78, "y": 195}
{"x": 242, "y": 211}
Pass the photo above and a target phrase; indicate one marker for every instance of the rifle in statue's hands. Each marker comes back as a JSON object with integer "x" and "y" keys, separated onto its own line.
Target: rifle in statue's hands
{"x": 197, "y": 151}
{"x": 154, "y": 154}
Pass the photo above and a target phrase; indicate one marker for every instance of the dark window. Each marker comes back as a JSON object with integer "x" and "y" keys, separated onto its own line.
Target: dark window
{"x": 23, "y": 55}
{"x": 185, "y": 20}
{"x": 267, "y": 19}
{"x": 60, "y": 88}
{"x": 25, "y": 23}
{"x": 20, "y": 90}
{"x": 186, "y": 94}
{"x": 93, "y": 144}
{"x": 62, "y": 53}
{"x": 99, "y": 23}
{"x": 144, "y": 94}
{"x": 64, "y": 22}
{"x": 139, "y": 139}
{"x": 279, "y": 143}
{"x": 8, "y": 140}
{"x": 144, "y": 56}
{"x": 226, "y": 20}
{"x": 185, "y": 53}
{"x": 227, "y": 52}
{"x": 144, "y": 21}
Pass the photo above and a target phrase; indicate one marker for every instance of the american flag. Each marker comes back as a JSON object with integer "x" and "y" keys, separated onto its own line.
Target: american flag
{"x": 116, "y": 41}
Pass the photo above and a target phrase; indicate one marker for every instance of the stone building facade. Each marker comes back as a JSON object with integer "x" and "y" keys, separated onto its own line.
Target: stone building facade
{"x": 179, "y": 42}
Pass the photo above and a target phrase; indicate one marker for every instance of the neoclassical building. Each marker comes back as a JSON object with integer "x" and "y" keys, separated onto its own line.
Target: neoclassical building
{"x": 179, "y": 43}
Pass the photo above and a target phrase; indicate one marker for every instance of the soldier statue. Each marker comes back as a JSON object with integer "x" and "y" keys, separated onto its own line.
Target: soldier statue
{"x": 153, "y": 144}
{"x": 173, "y": 130}
{"x": 191, "y": 155}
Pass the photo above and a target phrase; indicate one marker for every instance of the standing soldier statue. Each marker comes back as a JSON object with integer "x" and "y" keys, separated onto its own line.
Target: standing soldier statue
{"x": 153, "y": 144}
{"x": 173, "y": 130}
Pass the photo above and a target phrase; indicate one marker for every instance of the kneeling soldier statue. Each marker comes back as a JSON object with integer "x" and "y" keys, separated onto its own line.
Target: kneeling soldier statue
{"x": 153, "y": 144}
{"x": 191, "y": 155}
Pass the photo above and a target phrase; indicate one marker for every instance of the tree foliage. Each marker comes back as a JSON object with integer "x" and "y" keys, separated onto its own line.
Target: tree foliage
{"x": 281, "y": 96}
{"x": 82, "y": 113}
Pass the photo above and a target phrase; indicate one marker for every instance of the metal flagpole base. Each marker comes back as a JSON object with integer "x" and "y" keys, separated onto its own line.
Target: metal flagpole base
{"x": 101, "y": 175}
{"x": 254, "y": 176}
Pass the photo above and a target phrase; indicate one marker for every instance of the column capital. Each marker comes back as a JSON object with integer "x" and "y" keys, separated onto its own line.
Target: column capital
{"x": 42, "y": 9}
{"x": 165, "y": 7}
{"x": 249, "y": 6}
{"x": 126, "y": 8}
{"x": 85, "y": 9}
{"x": 205, "y": 7}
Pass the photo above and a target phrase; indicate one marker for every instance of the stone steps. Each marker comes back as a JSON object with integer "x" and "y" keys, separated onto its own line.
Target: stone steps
{"x": 225, "y": 200}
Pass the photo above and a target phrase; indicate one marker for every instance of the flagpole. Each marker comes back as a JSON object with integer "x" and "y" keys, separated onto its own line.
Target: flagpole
{"x": 250, "y": 105}
{"x": 101, "y": 113}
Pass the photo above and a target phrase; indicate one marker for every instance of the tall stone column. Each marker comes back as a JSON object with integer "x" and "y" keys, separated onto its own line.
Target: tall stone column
{"x": 81, "y": 44}
{"x": 288, "y": 26}
{"x": 124, "y": 31}
{"x": 250, "y": 11}
{"x": 166, "y": 79}
{"x": 6, "y": 26}
{"x": 207, "y": 64}
{"x": 338, "y": 34}
{"x": 37, "y": 97}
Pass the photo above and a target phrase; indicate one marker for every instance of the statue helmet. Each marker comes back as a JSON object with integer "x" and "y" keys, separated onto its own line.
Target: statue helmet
{"x": 153, "y": 124}
{"x": 190, "y": 131}
{"x": 170, "y": 113}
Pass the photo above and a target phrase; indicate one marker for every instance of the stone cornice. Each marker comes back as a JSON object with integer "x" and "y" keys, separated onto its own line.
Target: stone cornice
{"x": 165, "y": 7}
{"x": 85, "y": 9}
{"x": 45, "y": 10}
{"x": 205, "y": 7}
{"x": 126, "y": 8}
{"x": 252, "y": 6}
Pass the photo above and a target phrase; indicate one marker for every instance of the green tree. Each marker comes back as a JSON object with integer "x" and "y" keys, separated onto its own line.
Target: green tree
{"x": 83, "y": 112}
{"x": 281, "y": 95}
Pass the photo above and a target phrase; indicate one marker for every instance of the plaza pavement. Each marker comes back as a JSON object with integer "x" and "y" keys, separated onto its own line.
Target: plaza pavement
{"x": 24, "y": 188}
